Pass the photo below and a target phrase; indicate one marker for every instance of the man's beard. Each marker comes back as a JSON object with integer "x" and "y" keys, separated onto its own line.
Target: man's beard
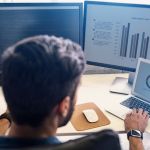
{"x": 69, "y": 115}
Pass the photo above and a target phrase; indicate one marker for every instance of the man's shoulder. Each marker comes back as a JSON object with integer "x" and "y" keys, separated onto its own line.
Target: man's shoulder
{"x": 11, "y": 142}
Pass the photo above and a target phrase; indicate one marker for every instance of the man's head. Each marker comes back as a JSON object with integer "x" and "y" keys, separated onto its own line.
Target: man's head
{"x": 39, "y": 75}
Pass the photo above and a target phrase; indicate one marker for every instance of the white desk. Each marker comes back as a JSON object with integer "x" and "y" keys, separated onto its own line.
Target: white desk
{"x": 3, "y": 106}
{"x": 95, "y": 88}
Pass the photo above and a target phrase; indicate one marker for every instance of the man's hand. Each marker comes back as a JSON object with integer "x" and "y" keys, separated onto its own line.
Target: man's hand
{"x": 137, "y": 119}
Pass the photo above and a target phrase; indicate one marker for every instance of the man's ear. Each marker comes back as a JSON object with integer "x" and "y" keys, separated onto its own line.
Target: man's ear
{"x": 64, "y": 106}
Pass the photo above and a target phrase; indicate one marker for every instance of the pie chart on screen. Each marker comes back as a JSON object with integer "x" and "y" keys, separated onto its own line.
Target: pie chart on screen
{"x": 148, "y": 81}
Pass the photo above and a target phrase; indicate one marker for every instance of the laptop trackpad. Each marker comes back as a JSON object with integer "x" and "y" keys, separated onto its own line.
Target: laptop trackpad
{"x": 119, "y": 111}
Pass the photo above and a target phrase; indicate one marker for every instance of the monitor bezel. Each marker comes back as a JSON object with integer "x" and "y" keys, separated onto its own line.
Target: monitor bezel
{"x": 86, "y": 3}
{"x": 78, "y": 4}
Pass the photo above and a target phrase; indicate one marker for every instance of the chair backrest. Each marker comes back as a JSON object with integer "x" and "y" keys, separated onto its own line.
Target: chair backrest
{"x": 103, "y": 140}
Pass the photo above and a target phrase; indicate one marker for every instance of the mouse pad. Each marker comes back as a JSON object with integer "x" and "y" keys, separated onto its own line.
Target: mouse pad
{"x": 79, "y": 121}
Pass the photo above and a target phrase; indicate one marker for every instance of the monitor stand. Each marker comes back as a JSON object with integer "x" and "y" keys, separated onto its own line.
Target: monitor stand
{"x": 122, "y": 85}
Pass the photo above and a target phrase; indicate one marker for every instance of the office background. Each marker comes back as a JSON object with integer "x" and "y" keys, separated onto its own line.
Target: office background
{"x": 89, "y": 68}
{"x": 94, "y": 69}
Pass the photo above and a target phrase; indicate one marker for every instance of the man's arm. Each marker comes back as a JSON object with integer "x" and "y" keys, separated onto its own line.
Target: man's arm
{"x": 136, "y": 120}
{"x": 135, "y": 144}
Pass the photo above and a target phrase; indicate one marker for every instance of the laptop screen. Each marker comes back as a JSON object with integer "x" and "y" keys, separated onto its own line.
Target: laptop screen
{"x": 142, "y": 81}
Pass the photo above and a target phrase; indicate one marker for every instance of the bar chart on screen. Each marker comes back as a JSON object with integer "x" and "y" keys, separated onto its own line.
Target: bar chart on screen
{"x": 135, "y": 43}
{"x": 117, "y": 33}
{"x": 126, "y": 39}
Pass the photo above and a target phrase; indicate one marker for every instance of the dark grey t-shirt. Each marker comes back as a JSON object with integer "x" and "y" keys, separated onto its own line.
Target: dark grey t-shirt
{"x": 9, "y": 142}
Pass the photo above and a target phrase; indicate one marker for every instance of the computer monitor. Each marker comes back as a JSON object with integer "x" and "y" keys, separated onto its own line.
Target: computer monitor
{"x": 116, "y": 34}
{"x": 21, "y": 20}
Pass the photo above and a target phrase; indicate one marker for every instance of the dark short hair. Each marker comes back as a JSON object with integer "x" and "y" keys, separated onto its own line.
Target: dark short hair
{"x": 37, "y": 73}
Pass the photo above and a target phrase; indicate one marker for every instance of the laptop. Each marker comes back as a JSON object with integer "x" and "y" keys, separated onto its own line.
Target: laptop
{"x": 140, "y": 93}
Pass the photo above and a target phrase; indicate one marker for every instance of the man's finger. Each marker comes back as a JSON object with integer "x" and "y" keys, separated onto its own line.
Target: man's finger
{"x": 128, "y": 114}
{"x": 145, "y": 114}
{"x": 140, "y": 111}
{"x": 134, "y": 111}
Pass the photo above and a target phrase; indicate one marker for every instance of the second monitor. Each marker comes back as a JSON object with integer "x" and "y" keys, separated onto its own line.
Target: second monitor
{"x": 116, "y": 34}
{"x": 21, "y": 20}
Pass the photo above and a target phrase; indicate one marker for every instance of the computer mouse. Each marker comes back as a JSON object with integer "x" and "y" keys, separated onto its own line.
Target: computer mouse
{"x": 90, "y": 115}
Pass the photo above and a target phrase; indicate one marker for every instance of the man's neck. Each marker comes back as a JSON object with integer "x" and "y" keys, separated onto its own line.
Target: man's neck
{"x": 29, "y": 132}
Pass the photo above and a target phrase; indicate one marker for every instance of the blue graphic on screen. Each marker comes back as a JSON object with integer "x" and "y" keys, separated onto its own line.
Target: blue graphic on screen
{"x": 142, "y": 86}
{"x": 116, "y": 35}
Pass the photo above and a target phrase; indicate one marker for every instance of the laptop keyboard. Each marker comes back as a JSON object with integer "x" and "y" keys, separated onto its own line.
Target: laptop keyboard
{"x": 133, "y": 102}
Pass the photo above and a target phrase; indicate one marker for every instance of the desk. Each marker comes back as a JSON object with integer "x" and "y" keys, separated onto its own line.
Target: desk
{"x": 3, "y": 106}
{"x": 95, "y": 88}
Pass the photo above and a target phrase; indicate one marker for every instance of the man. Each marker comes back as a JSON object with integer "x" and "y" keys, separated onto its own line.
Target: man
{"x": 40, "y": 77}
{"x": 135, "y": 125}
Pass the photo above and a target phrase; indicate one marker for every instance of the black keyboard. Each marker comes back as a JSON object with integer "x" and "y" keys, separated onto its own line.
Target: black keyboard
{"x": 133, "y": 102}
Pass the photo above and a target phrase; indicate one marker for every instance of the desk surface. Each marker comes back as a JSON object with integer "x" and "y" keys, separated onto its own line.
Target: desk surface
{"x": 3, "y": 105}
{"x": 95, "y": 88}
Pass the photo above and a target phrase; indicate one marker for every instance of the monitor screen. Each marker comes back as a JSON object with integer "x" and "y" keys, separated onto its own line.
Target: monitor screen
{"x": 116, "y": 34}
{"x": 21, "y": 20}
{"x": 141, "y": 86}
